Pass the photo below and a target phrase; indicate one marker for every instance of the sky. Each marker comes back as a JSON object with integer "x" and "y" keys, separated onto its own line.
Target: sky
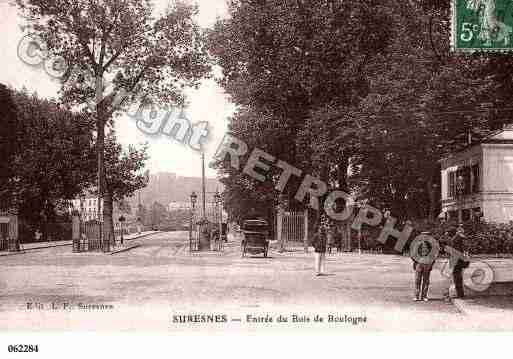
{"x": 208, "y": 103}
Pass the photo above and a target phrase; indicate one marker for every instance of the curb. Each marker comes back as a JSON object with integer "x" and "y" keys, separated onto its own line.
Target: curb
{"x": 125, "y": 249}
{"x": 142, "y": 236}
{"x": 33, "y": 249}
{"x": 69, "y": 244}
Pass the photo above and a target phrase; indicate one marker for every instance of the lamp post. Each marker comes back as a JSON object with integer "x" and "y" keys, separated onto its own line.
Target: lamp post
{"x": 194, "y": 197}
{"x": 121, "y": 220}
{"x": 217, "y": 201}
{"x": 203, "y": 184}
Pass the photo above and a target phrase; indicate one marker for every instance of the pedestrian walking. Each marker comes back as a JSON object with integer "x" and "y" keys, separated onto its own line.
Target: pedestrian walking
{"x": 337, "y": 235}
{"x": 458, "y": 243}
{"x": 422, "y": 270}
{"x": 330, "y": 235}
{"x": 139, "y": 226}
{"x": 319, "y": 243}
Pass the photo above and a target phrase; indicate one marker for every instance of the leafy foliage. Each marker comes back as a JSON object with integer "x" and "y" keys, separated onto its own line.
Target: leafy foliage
{"x": 9, "y": 146}
{"x": 283, "y": 60}
{"x": 54, "y": 158}
{"x": 150, "y": 58}
{"x": 365, "y": 95}
{"x": 124, "y": 173}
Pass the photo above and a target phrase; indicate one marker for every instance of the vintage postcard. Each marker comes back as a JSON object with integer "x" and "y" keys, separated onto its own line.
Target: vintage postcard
{"x": 237, "y": 166}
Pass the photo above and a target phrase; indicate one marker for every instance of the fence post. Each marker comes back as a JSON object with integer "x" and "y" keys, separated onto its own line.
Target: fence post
{"x": 279, "y": 227}
{"x": 190, "y": 231}
{"x": 305, "y": 237}
{"x": 14, "y": 244}
{"x": 348, "y": 235}
{"x": 75, "y": 232}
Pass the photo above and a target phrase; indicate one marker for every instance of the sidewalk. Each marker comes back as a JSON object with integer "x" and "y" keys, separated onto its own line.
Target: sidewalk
{"x": 494, "y": 312}
{"x": 44, "y": 245}
{"x": 494, "y": 304}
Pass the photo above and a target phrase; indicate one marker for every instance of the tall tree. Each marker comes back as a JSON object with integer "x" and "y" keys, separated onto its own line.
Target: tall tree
{"x": 282, "y": 62}
{"x": 121, "y": 41}
{"x": 423, "y": 102}
{"x": 9, "y": 146}
{"x": 55, "y": 157}
{"x": 123, "y": 172}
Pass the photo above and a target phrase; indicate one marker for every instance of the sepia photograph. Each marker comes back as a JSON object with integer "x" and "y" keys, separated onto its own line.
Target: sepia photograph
{"x": 255, "y": 166}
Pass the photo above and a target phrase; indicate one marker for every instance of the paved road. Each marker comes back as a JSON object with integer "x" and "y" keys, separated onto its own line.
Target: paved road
{"x": 149, "y": 284}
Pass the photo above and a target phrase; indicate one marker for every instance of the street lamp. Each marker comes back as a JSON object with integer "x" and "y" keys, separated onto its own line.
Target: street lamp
{"x": 217, "y": 201}
{"x": 460, "y": 185}
{"x": 194, "y": 197}
{"x": 203, "y": 185}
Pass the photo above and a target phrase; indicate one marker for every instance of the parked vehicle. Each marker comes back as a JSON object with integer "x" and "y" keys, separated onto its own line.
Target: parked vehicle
{"x": 255, "y": 237}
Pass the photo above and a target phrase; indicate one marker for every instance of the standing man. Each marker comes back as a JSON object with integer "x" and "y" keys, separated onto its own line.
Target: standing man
{"x": 338, "y": 238}
{"x": 139, "y": 225}
{"x": 319, "y": 244}
{"x": 330, "y": 235}
{"x": 457, "y": 272}
{"x": 422, "y": 270}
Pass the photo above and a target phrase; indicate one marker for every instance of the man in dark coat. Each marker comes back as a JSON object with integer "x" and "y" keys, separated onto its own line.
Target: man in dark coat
{"x": 458, "y": 244}
{"x": 319, "y": 243}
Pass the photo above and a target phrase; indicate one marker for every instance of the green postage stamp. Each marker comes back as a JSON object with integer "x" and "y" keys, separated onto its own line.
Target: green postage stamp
{"x": 482, "y": 25}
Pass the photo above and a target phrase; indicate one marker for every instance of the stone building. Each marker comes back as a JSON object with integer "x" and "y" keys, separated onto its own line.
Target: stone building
{"x": 477, "y": 182}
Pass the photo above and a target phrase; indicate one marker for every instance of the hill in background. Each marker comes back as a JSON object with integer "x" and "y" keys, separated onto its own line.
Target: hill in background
{"x": 166, "y": 187}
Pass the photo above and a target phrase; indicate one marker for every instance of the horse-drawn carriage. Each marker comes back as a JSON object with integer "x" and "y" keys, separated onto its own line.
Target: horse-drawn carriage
{"x": 255, "y": 237}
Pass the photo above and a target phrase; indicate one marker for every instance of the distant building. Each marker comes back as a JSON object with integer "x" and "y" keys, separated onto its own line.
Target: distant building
{"x": 477, "y": 182}
{"x": 87, "y": 206}
{"x": 178, "y": 205}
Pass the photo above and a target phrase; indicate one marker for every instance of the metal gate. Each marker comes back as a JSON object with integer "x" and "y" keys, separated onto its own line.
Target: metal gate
{"x": 194, "y": 231}
{"x": 87, "y": 236}
{"x": 292, "y": 229}
{"x": 4, "y": 234}
{"x": 9, "y": 239}
{"x": 202, "y": 228}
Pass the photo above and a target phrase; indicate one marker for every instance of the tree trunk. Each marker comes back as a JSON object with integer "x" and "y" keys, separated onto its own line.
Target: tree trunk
{"x": 432, "y": 200}
{"x": 100, "y": 152}
{"x": 342, "y": 174}
{"x": 108, "y": 223}
{"x": 325, "y": 177}
{"x": 46, "y": 220}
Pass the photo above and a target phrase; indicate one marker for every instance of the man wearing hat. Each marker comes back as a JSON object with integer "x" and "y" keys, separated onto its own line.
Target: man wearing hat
{"x": 457, "y": 243}
{"x": 319, "y": 244}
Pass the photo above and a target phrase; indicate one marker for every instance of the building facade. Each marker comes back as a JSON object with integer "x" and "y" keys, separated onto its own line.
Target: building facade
{"x": 478, "y": 182}
{"x": 173, "y": 206}
{"x": 88, "y": 207}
